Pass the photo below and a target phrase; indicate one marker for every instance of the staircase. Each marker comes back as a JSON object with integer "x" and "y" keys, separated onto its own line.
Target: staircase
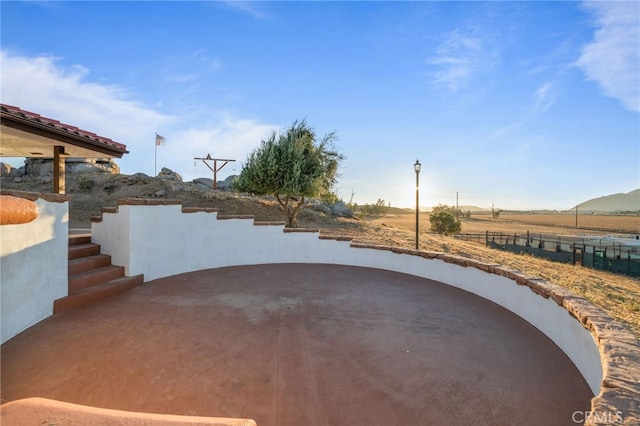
{"x": 92, "y": 277}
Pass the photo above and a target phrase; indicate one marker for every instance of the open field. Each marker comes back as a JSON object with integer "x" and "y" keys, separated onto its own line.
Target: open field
{"x": 561, "y": 224}
{"x": 618, "y": 295}
{"x": 605, "y": 223}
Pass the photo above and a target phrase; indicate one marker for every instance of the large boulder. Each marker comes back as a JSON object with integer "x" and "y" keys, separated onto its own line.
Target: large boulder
{"x": 92, "y": 165}
{"x": 204, "y": 182}
{"x": 18, "y": 172}
{"x": 226, "y": 184}
{"x": 223, "y": 185}
{"x": 319, "y": 206}
{"x": 42, "y": 167}
{"x": 169, "y": 174}
{"x": 38, "y": 167}
{"x": 340, "y": 209}
{"x": 138, "y": 178}
{"x": 5, "y": 169}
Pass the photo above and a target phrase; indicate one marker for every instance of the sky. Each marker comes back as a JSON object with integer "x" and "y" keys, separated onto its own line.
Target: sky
{"x": 521, "y": 105}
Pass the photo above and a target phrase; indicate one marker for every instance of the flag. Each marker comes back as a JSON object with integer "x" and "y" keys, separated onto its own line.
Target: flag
{"x": 160, "y": 140}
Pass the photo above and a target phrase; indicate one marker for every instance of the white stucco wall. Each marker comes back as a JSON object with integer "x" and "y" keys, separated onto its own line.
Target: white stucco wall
{"x": 160, "y": 241}
{"x": 33, "y": 267}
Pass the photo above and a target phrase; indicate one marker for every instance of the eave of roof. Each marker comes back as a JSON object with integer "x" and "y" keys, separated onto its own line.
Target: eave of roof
{"x": 22, "y": 127}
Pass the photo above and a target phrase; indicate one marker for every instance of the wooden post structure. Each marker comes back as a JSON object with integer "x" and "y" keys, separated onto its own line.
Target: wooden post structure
{"x": 58, "y": 170}
{"x": 215, "y": 169}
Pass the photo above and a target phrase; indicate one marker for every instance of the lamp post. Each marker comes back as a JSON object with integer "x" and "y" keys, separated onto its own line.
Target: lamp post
{"x": 416, "y": 167}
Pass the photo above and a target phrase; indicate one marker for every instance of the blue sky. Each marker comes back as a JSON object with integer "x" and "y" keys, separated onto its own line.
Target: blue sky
{"x": 525, "y": 105}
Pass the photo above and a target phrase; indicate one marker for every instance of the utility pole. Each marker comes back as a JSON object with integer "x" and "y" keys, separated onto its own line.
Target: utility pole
{"x": 417, "y": 167}
{"x": 457, "y": 209}
{"x": 215, "y": 169}
{"x": 576, "y": 216}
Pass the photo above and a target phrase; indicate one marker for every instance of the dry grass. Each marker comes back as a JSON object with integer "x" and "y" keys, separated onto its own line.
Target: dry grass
{"x": 537, "y": 223}
{"x": 609, "y": 223}
{"x": 618, "y": 295}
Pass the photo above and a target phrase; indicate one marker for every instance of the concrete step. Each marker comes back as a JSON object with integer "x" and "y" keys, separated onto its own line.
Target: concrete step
{"x": 75, "y": 239}
{"x": 83, "y": 250}
{"x": 83, "y": 264}
{"x": 93, "y": 277}
{"x": 96, "y": 293}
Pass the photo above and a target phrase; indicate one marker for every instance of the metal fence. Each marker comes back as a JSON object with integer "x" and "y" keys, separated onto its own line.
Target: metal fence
{"x": 607, "y": 254}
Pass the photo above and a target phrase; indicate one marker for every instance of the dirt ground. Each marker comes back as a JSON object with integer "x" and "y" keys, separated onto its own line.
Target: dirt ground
{"x": 618, "y": 295}
{"x": 319, "y": 345}
{"x": 561, "y": 224}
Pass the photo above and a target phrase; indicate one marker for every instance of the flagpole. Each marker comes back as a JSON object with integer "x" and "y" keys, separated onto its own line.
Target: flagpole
{"x": 159, "y": 141}
{"x": 155, "y": 156}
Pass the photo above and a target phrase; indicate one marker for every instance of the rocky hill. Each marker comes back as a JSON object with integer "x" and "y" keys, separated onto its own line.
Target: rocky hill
{"x": 93, "y": 189}
{"x": 95, "y": 184}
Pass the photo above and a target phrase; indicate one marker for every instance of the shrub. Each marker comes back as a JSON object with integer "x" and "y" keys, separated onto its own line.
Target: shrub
{"x": 85, "y": 184}
{"x": 444, "y": 223}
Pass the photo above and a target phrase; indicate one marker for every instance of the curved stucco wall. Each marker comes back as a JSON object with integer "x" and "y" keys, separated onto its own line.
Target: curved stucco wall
{"x": 159, "y": 239}
{"x": 33, "y": 264}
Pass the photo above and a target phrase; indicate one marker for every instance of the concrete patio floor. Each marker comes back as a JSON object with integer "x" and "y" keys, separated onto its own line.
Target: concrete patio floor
{"x": 298, "y": 344}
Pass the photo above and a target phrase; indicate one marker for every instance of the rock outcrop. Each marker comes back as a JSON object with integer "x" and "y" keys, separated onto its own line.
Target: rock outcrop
{"x": 138, "y": 178}
{"x": 204, "y": 182}
{"x": 169, "y": 174}
{"x": 41, "y": 169}
{"x": 340, "y": 209}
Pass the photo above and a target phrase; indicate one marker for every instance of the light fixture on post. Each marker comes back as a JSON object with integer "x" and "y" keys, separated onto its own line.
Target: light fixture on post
{"x": 416, "y": 167}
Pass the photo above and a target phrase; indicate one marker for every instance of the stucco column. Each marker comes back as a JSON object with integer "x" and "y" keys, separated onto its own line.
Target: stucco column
{"x": 58, "y": 170}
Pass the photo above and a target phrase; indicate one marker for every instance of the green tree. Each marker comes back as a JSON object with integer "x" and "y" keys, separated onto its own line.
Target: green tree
{"x": 495, "y": 213}
{"x": 292, "y": 166}
{"x": 444, "y": 223}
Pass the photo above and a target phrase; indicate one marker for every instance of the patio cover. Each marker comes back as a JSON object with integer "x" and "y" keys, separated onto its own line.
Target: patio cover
{"x": 27, "y": 134}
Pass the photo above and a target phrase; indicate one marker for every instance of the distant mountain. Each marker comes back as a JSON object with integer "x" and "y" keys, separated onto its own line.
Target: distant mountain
{"x": 473, "y": 209}
{"x": 613, "y": 203}
{"x": 463, "y": 208}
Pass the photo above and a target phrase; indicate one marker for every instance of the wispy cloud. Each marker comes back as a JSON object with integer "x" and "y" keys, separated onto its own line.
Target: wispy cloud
{"x": 66, "y": 93}
{"x": 227, "y": 136}
{"x": 199, "y": 63}
{"x": 458, "y": 57}
{"x": 250, "y": 8}
{"x": 505, "y": 131}
{"x": 202, "y": 57}
{"x": 544, "y": 97}
{"x": 612, "y": 59}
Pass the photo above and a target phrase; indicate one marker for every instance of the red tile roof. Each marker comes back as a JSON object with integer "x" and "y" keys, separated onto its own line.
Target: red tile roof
{"x": 72, "y": 131}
